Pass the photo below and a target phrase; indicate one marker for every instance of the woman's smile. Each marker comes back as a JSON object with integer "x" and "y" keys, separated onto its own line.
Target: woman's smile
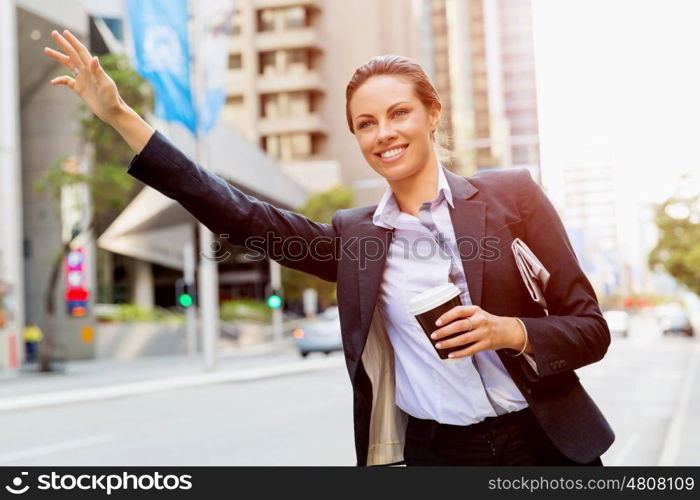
{"x": 392, "y": 154}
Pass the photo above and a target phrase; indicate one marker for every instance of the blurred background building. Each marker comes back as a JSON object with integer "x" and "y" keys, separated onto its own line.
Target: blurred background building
{"x": 484, "y": 69}
{"x": 289, "y": 64}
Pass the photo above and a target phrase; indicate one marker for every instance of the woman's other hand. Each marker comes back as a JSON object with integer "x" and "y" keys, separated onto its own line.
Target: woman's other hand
{"x": 89, "y": 81}
{"x": 486, "y": 331}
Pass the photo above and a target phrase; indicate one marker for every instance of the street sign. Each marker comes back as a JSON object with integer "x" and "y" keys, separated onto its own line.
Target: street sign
{"x": 75, "y": 293}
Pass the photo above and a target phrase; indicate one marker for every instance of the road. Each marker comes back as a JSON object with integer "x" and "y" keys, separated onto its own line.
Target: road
{"x": 306, "y": 419}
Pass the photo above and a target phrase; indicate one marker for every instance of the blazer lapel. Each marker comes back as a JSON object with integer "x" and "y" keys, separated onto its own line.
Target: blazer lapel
{"x": 469, "y": 221}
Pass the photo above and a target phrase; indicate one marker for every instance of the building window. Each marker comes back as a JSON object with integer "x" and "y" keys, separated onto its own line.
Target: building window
{"x": 297, "y": 60}
{"x": 235, "y": 61}
{"x": 299, "y": 104}
{"x": 234, "y": 100}
{"x": 288, "y": 147}
{"x": 268, "y": 62}
{"x": 266, "y": 20}
{"x": 269, "y": 106}
{"x": 295, "y": 17}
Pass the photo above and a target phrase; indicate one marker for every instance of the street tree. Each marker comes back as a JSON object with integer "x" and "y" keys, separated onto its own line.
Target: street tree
{"x": 678, "y": 249}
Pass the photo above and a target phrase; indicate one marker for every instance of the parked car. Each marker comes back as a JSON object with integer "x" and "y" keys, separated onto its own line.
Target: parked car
{"x": 618, "y": 322}
{"x": 320, "y": 334}
{"x": 677, "y": 322}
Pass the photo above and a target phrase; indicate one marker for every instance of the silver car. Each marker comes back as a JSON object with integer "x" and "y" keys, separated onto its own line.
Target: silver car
{"x": 320, "y": 334}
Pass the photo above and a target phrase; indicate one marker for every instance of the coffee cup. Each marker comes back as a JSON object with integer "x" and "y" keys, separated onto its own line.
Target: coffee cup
{"x": 428, "y": 306}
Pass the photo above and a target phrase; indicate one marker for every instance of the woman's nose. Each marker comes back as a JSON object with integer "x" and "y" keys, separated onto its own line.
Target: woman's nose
{"x": 385, "y": 133}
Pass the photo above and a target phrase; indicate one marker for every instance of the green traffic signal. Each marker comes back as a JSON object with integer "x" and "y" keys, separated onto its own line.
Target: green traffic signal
{"x": 185, "y": 300}
{"x": 274, "y": 301}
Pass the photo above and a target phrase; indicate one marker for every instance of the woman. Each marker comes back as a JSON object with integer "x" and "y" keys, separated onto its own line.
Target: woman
{"x": 512, "y": 397}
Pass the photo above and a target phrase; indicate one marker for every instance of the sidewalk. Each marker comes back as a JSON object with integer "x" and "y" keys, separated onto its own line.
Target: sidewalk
{"x": 90, "y": 380}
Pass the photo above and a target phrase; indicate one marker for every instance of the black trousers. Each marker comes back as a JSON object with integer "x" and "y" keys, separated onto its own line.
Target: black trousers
{"x": 515, "y": 438}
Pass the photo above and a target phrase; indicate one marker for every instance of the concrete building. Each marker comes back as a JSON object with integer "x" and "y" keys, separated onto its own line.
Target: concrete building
{"x": 483, "y": 63}
{"x": 289, "y": 65}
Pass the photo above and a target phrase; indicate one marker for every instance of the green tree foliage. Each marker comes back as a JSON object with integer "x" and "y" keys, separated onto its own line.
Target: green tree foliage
{"x": 678, "y": 248}
{"x": 320, "y": 207}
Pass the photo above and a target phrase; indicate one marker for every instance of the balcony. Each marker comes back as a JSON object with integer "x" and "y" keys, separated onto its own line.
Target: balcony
{"x": 271, "y": 4}
{"x": 291, "y": 124}
{"x": 298, "y": 38}
{"x": 289, "y": 82}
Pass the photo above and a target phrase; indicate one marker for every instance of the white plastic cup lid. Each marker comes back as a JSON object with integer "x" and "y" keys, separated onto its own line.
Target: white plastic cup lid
{"x": 431, "y": 298}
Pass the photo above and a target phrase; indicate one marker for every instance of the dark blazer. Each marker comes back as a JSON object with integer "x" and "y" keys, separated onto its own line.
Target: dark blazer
{"x": 491, "y": 209}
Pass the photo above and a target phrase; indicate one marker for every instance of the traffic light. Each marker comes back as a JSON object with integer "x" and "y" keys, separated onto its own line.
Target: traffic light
{"x": 274, "y": 297}
{"x": 184, "y": 294}
{"x": 274, "y": 301}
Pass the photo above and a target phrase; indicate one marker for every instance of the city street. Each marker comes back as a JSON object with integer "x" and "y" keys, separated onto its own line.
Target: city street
{"x": 645, "y": 386}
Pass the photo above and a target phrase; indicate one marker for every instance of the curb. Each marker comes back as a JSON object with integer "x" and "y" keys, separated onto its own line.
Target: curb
{"x": 149, "y": 386}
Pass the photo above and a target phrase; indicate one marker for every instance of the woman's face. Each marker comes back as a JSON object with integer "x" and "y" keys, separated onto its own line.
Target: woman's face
{"x": 393, "y": 127}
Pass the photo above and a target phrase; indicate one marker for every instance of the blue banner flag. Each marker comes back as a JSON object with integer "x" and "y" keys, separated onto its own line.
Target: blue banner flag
{"x": 214, "y": 21}
{"x": 159, "y": 30}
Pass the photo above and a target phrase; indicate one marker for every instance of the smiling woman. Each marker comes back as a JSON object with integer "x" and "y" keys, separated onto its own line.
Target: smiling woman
{"x": 492, "y": 405}
{"x": 394, "y": 112}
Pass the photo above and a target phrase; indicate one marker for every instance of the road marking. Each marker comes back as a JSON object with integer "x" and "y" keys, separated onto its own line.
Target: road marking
{"x": 165, "y": 384}
{"x": 619, "y": 459}
{"x": 54, "y": 448}
{"x": 674, "y": 438}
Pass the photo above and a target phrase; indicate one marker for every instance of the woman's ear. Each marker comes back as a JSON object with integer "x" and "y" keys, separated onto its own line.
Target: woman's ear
{"x": 434, "y": 115}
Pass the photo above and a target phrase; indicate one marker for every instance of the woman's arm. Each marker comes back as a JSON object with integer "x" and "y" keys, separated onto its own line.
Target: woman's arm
{"x": 575, "y": 333}
{"x": 285, "y": 236}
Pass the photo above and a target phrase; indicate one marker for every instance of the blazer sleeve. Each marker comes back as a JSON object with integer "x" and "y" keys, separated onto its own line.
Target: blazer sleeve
{"x": 285, "y": 236}
{"x": 575, "y": 333}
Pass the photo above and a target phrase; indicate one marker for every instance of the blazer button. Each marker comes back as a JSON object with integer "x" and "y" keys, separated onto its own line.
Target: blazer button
{"x": 527, "y": 390}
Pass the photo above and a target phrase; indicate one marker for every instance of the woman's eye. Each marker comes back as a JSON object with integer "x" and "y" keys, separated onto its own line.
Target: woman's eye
{"x": 364, "y": 124}
{"x": 402, "y": 111}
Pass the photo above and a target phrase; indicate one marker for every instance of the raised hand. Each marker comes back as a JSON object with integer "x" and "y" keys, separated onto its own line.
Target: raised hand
{"x": 89, "y": 80}
{"x": 97, "y": 90}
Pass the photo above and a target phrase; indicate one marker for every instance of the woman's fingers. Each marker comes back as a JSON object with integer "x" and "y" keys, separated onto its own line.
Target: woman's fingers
{"x": 58, "y": 57}
{"x": 465, "y": 338}
{"x": 482, "y": 345}
{"x": 461, "y": 325}
{"x": 68, "y": 48}
{"x": 96, "y": 68}
{"x": 81, "y": 50}
{"x": 64, "y": 80}
{"x": 456, "y": 312}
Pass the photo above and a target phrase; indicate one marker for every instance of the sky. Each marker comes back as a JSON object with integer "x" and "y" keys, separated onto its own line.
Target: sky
{"x": 622, "y": 76}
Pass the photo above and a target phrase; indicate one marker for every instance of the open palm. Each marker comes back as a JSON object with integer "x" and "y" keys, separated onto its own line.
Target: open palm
{"x": 89, "y": 81}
